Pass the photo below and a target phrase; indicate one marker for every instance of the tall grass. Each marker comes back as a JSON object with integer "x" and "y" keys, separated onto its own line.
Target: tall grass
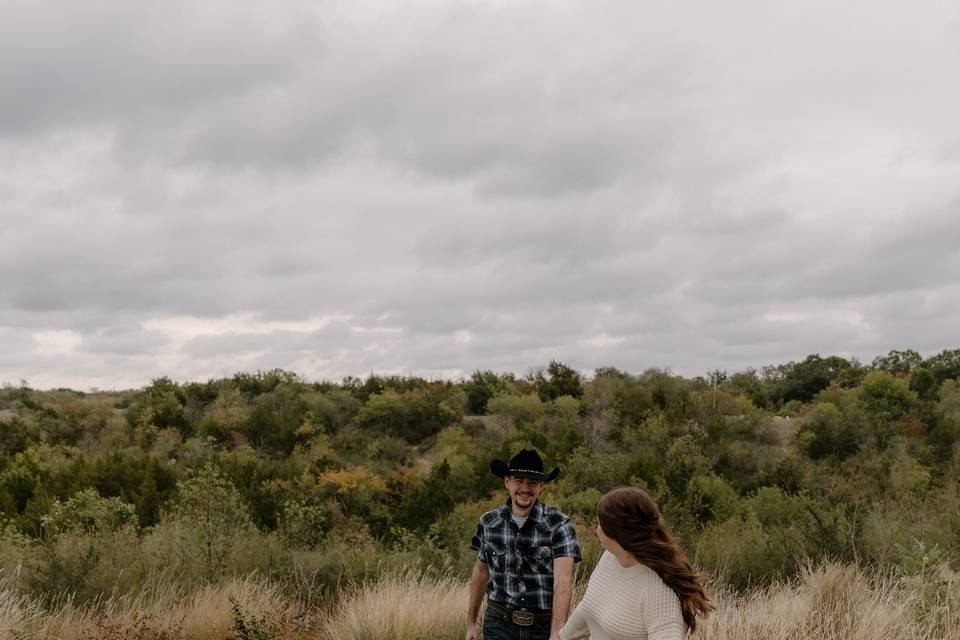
{"x": 153, "y": 614}
{"x": 839, "y": 602}
{"x": 830, "y": 602}
{"x": 399, "y": 607}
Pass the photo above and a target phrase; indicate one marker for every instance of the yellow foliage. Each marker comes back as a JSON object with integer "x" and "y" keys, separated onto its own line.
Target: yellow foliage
{"x": 353, "y": 479}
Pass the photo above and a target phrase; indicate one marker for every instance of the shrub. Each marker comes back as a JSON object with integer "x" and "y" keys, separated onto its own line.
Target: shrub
{"x": 304, "y": 524}
{"x": 825, "y": 432}
{"x": 85, "y": 566}
{"x": 211, "y": 516}
{"x": 520, "y": 410}
{"x": 709, "y": 498}
{"x": 89, "y": 512}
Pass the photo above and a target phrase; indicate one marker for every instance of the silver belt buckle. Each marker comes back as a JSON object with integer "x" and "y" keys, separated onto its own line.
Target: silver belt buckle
{"x": 522, "y": 618}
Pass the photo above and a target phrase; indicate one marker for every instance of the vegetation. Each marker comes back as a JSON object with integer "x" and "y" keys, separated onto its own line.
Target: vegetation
{"x": 278, "y": 491}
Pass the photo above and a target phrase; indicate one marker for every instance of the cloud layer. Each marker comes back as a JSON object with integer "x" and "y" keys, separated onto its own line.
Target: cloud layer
{"x": 344, "y": 187}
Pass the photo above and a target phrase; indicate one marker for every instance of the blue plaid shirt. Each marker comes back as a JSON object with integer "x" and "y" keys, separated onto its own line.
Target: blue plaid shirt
{"x": 521, "y": 560}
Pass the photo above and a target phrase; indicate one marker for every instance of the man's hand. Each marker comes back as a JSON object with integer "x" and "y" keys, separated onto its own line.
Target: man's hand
{"x": 473, "y": 632}
{"x": 478, "y": 584}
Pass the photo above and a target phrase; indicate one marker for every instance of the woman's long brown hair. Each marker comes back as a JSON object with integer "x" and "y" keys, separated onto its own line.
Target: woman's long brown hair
{"x": 633, "y": 519}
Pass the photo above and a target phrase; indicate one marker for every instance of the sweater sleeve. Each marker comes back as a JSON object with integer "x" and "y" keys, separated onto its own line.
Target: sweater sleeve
{"x": 663, "y": 617}
{"x": 576, "y": 625}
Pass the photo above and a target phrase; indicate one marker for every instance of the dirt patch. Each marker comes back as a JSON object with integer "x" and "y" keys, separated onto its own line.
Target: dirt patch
{"x": 783, "y": 429}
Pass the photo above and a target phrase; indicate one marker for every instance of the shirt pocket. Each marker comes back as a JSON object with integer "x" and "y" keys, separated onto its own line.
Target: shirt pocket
{"x": 543, "y": 556}
{"x": 495, "y": 556}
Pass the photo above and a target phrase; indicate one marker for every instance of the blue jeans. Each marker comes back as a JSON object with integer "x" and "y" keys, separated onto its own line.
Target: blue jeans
{"x": 495, "y": 627}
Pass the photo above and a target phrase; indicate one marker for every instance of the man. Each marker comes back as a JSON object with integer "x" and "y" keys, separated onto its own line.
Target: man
{"x": 525, "y": 555}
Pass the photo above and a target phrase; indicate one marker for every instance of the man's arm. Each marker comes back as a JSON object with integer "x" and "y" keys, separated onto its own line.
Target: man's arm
{"x": 562, "y": 593}
{"x": 478, "y": 584}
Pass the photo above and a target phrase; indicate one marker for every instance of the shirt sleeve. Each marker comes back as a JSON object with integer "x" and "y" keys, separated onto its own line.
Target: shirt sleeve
{"x": 663, "y": 616}
{"x": 576, "y": 625}
{"x": 476, "y": 543}
{"x": 565, "y": 543}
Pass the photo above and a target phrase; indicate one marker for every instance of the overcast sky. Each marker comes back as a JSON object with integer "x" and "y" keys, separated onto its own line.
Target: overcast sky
{"x": 193, "y": 189}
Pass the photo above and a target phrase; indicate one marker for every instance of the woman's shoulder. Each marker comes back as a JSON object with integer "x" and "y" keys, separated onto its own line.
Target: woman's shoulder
{"x": 650, "y": 580}
{"x": 658, "y": 594}
{"x": 648, "y": 574}
{"x": 606, "y": 571}
{"x": 639, "y": 574}
{"x": 608, "y": 563}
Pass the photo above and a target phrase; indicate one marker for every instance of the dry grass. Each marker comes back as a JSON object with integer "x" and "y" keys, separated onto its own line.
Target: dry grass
{"x": 832, "y": 602}
{"x": 405, "y": 607}
{"x": 156, "y": 614}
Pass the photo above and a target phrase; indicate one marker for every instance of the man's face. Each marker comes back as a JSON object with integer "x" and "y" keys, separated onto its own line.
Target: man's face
{"x": 523, "y": 491}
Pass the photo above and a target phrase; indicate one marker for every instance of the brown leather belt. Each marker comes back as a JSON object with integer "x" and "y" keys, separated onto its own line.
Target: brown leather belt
{"x": 518, "y": 617}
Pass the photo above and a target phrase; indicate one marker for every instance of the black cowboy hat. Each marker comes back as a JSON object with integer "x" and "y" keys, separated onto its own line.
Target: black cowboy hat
{"x": 526, "y": 464}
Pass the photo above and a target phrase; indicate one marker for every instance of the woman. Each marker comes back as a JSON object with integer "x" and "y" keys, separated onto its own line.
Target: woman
{"x": 643, "y": 588}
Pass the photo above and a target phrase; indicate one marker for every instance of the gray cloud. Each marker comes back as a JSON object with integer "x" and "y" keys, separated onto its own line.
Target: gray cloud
{"x": 124, "y": 341}
{"x": 108, "y": 63}
{"x": 346, "y": 187}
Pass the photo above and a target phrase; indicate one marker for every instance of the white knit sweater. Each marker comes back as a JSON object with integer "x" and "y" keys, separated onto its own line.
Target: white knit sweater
{"x": 626, "y": 603}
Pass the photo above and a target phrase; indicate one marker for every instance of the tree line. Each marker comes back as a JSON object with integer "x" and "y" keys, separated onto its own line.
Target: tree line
{"x": 759, "y": 470}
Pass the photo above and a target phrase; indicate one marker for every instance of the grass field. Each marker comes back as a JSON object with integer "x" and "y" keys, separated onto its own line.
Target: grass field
{"x": 832, "y": 602}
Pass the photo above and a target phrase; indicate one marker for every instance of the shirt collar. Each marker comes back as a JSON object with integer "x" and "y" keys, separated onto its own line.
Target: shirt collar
{"x": 536, "y": 514}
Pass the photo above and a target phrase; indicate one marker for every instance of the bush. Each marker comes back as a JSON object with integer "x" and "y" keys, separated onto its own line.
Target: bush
{"x": 710, "y": 498}
{"x": 304, "y": 524}
{"x": 452, "y": 533}
{"x": 826, "y": 432}
{"x": 582, "y": 503}
{"x": 211, "y": 516}
{"x": 84, "y": 566}
{"x": 522, "y": 411}
{"x": 589, "y": 469}
{"x": 88, "y": 512}
{"x": 770, "y": 538}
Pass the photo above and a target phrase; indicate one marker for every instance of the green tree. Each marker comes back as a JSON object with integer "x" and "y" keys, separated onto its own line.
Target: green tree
{"x": 803, "y": 380}
{"x": 89, "y": 512}
{"x": 923, "y": 382}
{"x": 898, "y": 362}
{"x": 304, "y": 522}
{"x": 633, "y": 403}
{"x": 945, "y": 365}
{"x": 15, "y": 436}
{"x": 670, "y": 393}
{"x": 748, "y": 384}
{"x": 684, "y": 460}
{"x": 826, "y": 432}
{"x": 886, "y": 401}
{"x": 429, "y": 500}
{"x": 160, "y": 405}
{"x": 482, "y": 386}
{"x": 560, "y": 380}
{"x": 275, "y": 418}
{"x": 227, "y": 415}
{"x": 413, "y": 415}
{"x": 710, "y": 497}
{"x": 946, "y": 429}
{"x": 255, "y": 384}
{"x": 132, "y": 476}
{"x": 563, "y": 427}
{"x": 213, "y": 516}
{"x": 522, "y": 410}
